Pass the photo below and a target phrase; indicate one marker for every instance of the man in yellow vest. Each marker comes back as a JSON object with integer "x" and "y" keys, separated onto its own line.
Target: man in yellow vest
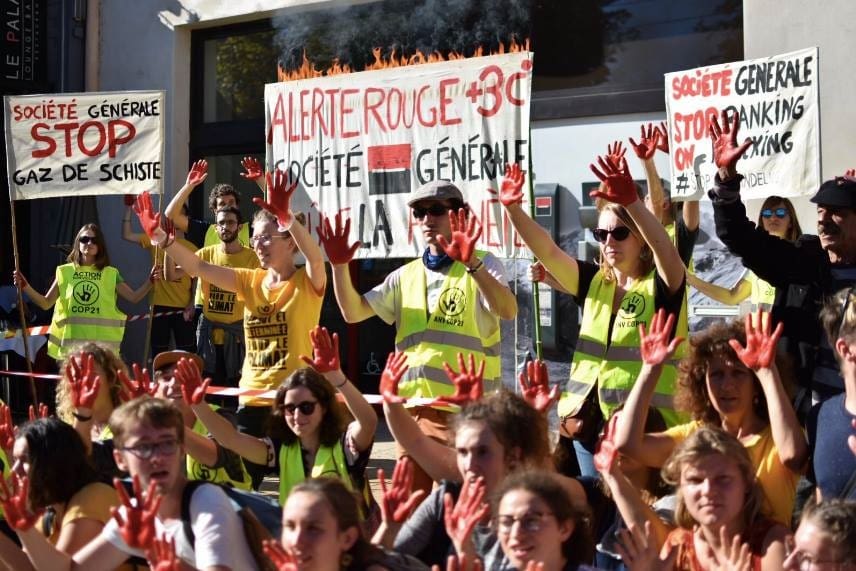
{"x": 449, "y": 301}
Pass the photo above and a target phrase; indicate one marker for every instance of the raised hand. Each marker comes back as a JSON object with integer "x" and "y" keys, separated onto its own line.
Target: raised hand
{"x": 137, "y": 526}
{"x": 760, "y": 350}
{"x": 461, "y": 562}
{"x": 326, "y": 349}
{"x": 618, "y": 185}
{"x": 7, "y": 429}
{"x": 605, "y": 451}
{"x": 150, "y": 220}
{"x": 731, "y": 555}
{"x": 469, "y": 386}
{"x": 396, "y": 366}
{"x": 399, "y": 500}
{"x": 43, "y": 412}
{"x": 849, "y": 175}
{"x": 535, "y": 386}
{"x": 537, "y": 272}
{"x": 638, "y": 550}
{"x": 279, "y": 192}
{"x": 615, "y": 151}
{"x": 726, "y": 151}
{"x": 197, "y": 174}
{"x": 252, "y": 169}
{"x": 465, "y": 234}
{"x": 162, "y": 555}
{"x": 282, "y": 559}
{"x": 511, "y": 191}
{"x": 141, "y": 385}
{"x": 15, "y": 502}
{"x": 83, "y": 381}
{"x": 336, "y": 242}
{"x": 655, "y": 346}
{"x": 19, "y": 280}
{"x": 193, "y": 388}
{"x": 462, "y": 516}
{"x": 663, "y": 143}
{"x": 647, "y": 145}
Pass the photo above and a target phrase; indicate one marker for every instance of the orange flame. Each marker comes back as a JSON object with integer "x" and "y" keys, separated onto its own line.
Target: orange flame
{"x": 308, "y": 70}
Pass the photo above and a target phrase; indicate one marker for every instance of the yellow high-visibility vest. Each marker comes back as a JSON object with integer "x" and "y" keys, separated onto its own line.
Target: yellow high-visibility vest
{"x": 763, "y": 294}
{"x": 198, "y": 471}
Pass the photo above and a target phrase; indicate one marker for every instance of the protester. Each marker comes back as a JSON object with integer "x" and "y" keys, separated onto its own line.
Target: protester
{"x": 84, "y": 291}
{"x": 639, "y": 272}
{"x": 826, "y": 538}
{"x": 308, "y": 434}
{"x": 778, "y": 218}
{"x": 829, "y": 424}
{"x": 449, "y": 300}
{"x": 172, "y": 299}
{"x": 729, "y": 379}
{"x": 804, "y": 273}
{"x": 282, "y": 301}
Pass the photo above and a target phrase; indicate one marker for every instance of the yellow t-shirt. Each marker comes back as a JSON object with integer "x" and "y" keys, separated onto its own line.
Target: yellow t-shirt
{"x": 174, "y": 293}
{"x": 219, "y": 305}
{"x": 778, "y": 482}
{"x": 276, "y": 328}
{"x": 93, "y": 501}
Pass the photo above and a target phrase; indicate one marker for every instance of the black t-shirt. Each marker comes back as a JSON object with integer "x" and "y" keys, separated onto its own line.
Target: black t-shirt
{"x": 685, "y": 240}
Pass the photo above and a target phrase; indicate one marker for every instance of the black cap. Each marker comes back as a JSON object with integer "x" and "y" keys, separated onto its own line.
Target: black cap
{"x": 839, "y": 191}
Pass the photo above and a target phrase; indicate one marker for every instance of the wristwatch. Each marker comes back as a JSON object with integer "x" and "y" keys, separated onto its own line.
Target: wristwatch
{"x": 475, "y": 268}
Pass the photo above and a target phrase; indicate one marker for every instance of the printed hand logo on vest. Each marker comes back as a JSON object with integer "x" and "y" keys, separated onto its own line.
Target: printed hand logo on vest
{"x": 86, "y": 292}
{"x": 452, "y": 301}
{"x": 202, "y": 472}
{"x": 265, "y": 309}
{"x": 633, "y": 306}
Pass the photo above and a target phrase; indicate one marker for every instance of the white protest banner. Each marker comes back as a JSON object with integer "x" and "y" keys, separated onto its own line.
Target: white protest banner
{"x": 777, "y": 98}
{"x": 361, "y": 143}
{"x": 75, "y": 144}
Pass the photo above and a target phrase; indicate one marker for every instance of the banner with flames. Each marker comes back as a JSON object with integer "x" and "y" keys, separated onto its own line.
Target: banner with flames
{"x": 361, "y": 143}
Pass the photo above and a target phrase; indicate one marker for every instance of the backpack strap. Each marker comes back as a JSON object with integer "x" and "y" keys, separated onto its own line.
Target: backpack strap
{"x": 186, "y": 495}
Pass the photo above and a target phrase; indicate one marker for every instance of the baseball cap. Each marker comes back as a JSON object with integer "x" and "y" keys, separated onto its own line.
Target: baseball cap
{"x": 171, "y": 357}
{"x": 436, "y": 190}
{"x": 839, "y": 192}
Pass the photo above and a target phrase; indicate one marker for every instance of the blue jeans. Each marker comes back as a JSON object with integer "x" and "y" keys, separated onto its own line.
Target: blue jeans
{"x": 585, "y": 457}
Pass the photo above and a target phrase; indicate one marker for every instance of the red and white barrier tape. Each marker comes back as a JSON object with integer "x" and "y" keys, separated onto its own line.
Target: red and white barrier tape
{"x": 43, "y": 329}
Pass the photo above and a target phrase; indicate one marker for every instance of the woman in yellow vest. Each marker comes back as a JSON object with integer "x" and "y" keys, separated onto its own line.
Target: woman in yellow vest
{"x": 778, "y": 218}
{"x": 85, "y": 292}
{"x": 639, "y": 271}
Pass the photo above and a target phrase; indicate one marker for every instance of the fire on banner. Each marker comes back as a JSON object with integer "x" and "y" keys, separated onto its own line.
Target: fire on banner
{"x": 362, "y": 143}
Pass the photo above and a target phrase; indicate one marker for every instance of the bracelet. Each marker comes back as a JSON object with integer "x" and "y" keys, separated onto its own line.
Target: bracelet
{"x": 476, "y": 268}
{"x": 342, "y": 384}
{"x": 81, "y": 418}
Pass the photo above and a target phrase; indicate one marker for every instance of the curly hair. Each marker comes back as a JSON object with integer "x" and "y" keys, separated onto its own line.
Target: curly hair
{"x": 334, "y": 421}
{"x": 707, "y": 441}
{"x": 646, "y": 256}
{"x": 219, "y": 190}
{"x": 835, "y": 518}
{"x": 109, "y": 363}
{"x": 505, "y": 414}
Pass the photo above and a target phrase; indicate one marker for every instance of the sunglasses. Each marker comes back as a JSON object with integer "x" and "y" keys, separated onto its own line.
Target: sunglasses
{"x": 620, "y": 233}
{"x": 434, "y": 210}
{"x": 306, "y": 407}
{"x": 779, "y": 212}
{"x": 87, "y": 239}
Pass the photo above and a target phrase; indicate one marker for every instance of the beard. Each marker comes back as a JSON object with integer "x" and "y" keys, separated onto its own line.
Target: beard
{"x": 229, "y": 237}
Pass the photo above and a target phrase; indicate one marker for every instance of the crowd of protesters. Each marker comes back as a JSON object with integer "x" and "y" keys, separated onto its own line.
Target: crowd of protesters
{"x": 675, "y": 451}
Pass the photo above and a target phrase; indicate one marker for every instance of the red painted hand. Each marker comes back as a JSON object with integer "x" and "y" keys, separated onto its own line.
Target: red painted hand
{"x": 511, "y": 191}
{"x": 535, "y": 386}
{"x": 606, "y": 452}
{"x": 336, "y": 242}
{"x": 140, "y": 386}
{"x": 663, "y": 143}
{"x": 462, "y": 516}
{"x": 7, "y": 429}
{"x": 15, "y": 502}
{"x": 282, "y": 559}
{"x": 398, "y": 501}
{"x": 760, "y": 350}
{"x": 615, "y": 151}
{"x": 149, "y": 219}
{"x": 326, "y": 349}
{"x": 618, "y": 185}
{"x": 279, "y": 192}
{"x": 137, "y": 526}
{"x": 655, "y": 346}
{"x": 647, "y": 145}
{"x": 469, "y": 386}
{"x": 43, "y": 412}
{"x": 19, "y": 280}
{"x": 83, "y": 381}
{"x": 197, "y": 174}
{"x": 252, "y": 169}
{"x": 162, "y": 555}
{"x": 396, "y": 366}
{"x": 726, "y": 151}
{"x": 193, "y": 388}
{"x": 465, "y": 234}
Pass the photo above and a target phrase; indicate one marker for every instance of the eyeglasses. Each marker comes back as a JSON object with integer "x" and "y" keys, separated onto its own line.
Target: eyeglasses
{"x": 265, "y": 239}
{"x": 86, "y": 239}
{"x": 434, "y": 210}
{"x": 620, "y": 233}
{"x": 306, "y": 407}
{"x": 146, "y": 451}
{"x": 779, "y": 212}
{"x": 531, "y": 522}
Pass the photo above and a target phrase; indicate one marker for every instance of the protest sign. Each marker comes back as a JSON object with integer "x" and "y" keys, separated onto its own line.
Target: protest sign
{"x": 361, "y": 143}
{"x": 777, "y": 98}
{"x": 84, "y": 144}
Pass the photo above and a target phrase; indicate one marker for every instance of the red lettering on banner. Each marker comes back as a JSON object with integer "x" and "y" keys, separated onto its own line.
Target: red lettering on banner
{"x": 277, "y": 119}
{"x": 51, "y": 144}
{"x": 318, "y": 121}
{"x": 345, "y": 111}
{"x": 684, "y": 157}
{"x": 116, "y": 133}
{"x": 445, "y": 100}
{"x": 693, "y": 127}
{"x": 371, "y": 107}
{"x": 702, "y": 84}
